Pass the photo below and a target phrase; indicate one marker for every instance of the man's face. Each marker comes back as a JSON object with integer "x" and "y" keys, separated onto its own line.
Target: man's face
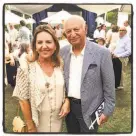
{"x": 75, "y": 32}
{"x": 122, "y": 31}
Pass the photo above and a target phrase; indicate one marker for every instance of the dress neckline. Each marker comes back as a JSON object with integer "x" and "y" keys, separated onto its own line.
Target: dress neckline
{"x": 45, "y": 74}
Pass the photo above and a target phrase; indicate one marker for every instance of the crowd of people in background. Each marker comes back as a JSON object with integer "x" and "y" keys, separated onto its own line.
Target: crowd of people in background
{"x": 16, "y": 43}
{"x": 118, "y": 41}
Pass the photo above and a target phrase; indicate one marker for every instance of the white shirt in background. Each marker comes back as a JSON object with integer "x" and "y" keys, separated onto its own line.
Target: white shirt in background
{"x": 13, "y": 35}
{"x": 96, "y": 34}
{"x": 128, "y": 31}
{"x": 75, "y": 74}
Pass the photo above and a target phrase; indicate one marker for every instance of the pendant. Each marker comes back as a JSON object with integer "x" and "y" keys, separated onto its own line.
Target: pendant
{"x": 47, "y": 84}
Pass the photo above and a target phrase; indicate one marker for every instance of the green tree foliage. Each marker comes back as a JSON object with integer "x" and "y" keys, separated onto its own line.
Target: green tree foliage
{"x": 112, "y": 16}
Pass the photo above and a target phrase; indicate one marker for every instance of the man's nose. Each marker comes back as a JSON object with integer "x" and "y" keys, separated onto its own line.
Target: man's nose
{"x": 73, "y": 34}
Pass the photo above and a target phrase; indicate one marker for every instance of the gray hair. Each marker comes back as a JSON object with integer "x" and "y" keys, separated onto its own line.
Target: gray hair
{"x": 81, "y": 19}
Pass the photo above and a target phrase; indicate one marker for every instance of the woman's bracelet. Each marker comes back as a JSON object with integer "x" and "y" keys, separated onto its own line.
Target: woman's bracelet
{"x": 29, "y": 121}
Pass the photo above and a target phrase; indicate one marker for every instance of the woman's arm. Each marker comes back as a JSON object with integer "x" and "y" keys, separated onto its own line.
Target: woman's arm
{"x": 26, "y": 110}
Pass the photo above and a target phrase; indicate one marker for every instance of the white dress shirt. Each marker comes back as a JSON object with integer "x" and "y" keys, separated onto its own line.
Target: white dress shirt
{"x": 123, "y": 48}
{"x": 75, "y": 74}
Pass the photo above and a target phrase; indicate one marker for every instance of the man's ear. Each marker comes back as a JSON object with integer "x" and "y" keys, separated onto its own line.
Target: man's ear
{"x": 86, "y": 29}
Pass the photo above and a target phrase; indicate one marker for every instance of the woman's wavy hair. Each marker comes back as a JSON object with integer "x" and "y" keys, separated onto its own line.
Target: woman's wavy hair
{"x": 23, "y": 48}
{"x": 45, "y": 28}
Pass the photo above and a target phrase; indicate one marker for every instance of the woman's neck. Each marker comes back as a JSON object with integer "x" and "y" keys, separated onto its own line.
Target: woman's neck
{"x": 45, "y": 61}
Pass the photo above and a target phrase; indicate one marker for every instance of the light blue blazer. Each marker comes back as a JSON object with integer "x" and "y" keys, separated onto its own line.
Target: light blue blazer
{"x": 97, "y": 81}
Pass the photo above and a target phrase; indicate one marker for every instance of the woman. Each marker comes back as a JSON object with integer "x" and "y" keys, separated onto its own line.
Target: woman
{"x": 114, "y": 38}
{"x": 40, "y": 85}
{"x": 103, "y": 31}
{"x": 23, "y": 52}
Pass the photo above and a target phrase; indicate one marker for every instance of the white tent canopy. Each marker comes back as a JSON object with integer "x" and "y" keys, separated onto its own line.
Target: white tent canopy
{"x": 29, "y": 9}
{"x": 58, "y": 17}
{"x": 98, "y": 9}
{"x": 12, "y": 18}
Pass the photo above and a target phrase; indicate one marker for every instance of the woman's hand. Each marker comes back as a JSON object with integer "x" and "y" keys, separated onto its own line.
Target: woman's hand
{"x": 65, "y": 109}
{"x": 31, "y": 126}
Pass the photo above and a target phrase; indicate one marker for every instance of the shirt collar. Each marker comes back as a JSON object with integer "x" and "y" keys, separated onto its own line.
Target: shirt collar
{"x": 82, "y": 52}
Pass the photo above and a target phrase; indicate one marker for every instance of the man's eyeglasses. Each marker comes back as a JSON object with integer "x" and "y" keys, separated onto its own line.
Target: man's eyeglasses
{"x": 122, "y": 30}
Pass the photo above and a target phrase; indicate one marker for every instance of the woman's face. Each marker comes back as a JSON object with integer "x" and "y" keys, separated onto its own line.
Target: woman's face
{"x": 45, "y": 45}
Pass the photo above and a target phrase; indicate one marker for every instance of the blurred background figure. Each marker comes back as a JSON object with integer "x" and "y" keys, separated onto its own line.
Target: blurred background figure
{"x": 113, "y": 38}
{"x": 123, "y": 51}
{"x": 13, "y": 33}
{"x": 108, "y": 35}
{"x": 96, "y": 34}
{"x": 59, "y": 32}
{"x": 103, "y": 31}
{"x": 23, "y": 52}
{"x": 128, "y": 28}
{"x": 101, "y": 41}
{"x": 24, "y": 33}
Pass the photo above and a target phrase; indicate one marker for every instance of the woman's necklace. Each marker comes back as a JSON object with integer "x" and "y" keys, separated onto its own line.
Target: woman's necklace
{"x": 47, "y": 84}
{"x": 49, "y": 89}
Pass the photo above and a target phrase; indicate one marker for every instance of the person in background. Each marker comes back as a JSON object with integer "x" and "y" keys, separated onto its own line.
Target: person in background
{"x": 114, "y": 37}
{"x": 40, "y": 84}
{"x": 96, "y": 34}
{"x": 108, "y": 35}
{"x": 59, "y": 32}
{"x": 13, "y": 33}
{"x": 103, "y": 31}
{"x": 122, "y": 51}
{"x": 21, "y": 54}
{"x": 89, "y": 78}
{"x": 24, "y": 33}
{"x": 128, "y": 28}
{"x": 9, "y": 61}
{"x": 101, "y": 41}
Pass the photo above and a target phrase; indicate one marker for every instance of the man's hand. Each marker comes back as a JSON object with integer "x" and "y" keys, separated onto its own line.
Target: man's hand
{"x": 102, "y": 119}
{"x": 65, "y": 109}
{"x": 114, "y": 56}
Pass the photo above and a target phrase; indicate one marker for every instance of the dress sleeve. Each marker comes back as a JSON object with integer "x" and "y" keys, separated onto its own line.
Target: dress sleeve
{"x": 21, "y": 90}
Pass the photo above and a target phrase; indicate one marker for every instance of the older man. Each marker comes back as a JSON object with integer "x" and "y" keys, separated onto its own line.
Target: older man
{"x": 89, "y": 78}
{"x": 123, "y": 50}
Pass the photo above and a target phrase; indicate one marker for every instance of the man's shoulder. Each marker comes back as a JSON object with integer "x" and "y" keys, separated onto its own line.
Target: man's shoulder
{"x": 65, "y": 49}
{"x": 97, "y": 47}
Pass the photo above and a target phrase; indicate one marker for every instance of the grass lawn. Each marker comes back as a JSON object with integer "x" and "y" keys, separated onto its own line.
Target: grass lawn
{"x": 120, "y": 122}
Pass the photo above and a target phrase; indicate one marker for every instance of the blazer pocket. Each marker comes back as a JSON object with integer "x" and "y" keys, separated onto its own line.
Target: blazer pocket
{"x": 91, "y": 66}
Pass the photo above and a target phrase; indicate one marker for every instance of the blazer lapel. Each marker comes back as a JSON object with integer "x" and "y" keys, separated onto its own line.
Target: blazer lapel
{"x": 88, "y": 59}
{"x": 67, "y": 68}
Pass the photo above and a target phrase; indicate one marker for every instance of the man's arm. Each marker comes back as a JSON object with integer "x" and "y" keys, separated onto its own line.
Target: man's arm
{"x": 108, "y": 81}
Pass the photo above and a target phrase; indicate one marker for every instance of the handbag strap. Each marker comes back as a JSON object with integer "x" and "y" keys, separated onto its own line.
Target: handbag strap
{"x": 18, "y": 109}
